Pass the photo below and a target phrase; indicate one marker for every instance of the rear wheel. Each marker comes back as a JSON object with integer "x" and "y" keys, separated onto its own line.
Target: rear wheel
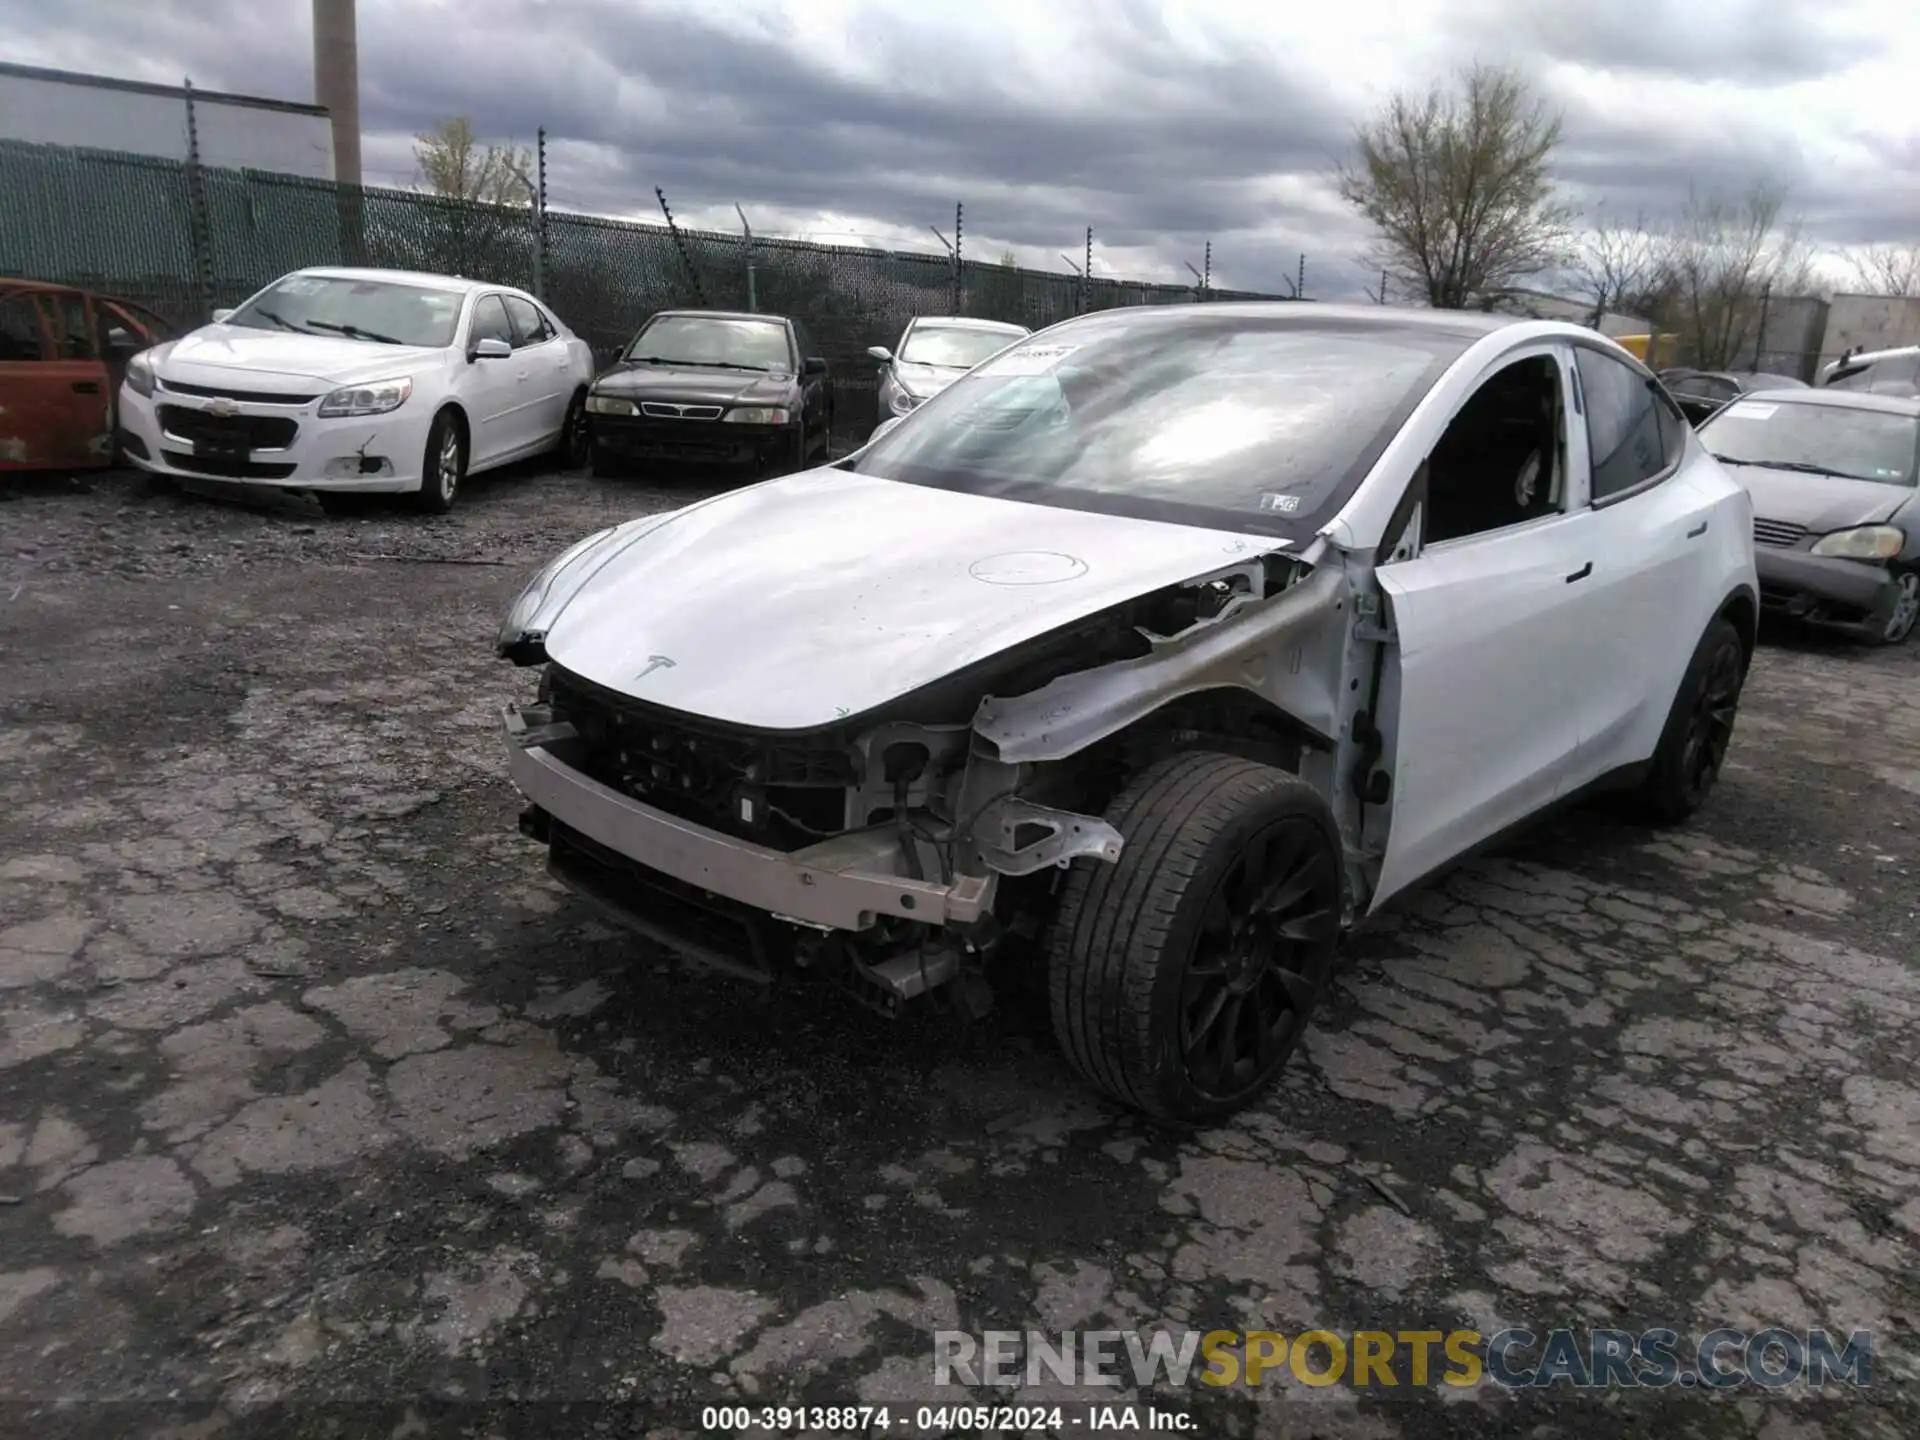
{"x": 1906, "y": 609}
{"x": 444, "y": 467}
{"x": 1183, "y": 976}
{"x": 1699, "y": 728}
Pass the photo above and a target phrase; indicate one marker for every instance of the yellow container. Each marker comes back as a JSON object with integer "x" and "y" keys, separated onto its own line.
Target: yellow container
{"x": 1665, "y": 351}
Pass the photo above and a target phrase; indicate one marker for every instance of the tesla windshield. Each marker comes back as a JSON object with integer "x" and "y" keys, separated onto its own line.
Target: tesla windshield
{"x": 379, "y": 312}
{"x": 1262, "y": 424}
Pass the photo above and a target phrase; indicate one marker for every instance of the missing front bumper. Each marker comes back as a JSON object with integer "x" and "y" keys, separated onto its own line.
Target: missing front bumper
{"x": 846, "y": 883}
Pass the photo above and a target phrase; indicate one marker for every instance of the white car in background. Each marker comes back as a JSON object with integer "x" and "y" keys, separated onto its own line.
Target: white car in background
{"x": 1147, "y": 658}
{"x": 345, "y": 382}
{"x": 934, "y": 351}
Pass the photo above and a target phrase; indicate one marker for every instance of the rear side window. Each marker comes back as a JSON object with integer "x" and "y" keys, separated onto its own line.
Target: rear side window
{"x": 1625, "y": 439}
{"x": 19, "y": 329}
{"x": 530, "y": 326}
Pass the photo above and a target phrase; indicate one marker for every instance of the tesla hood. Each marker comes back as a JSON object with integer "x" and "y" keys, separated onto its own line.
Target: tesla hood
{"x": 796, "y": 603}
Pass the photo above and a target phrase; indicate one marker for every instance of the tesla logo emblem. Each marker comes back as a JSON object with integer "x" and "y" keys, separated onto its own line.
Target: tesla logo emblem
{"x": 654, "y": 662}
{"x": 222, "y": 407}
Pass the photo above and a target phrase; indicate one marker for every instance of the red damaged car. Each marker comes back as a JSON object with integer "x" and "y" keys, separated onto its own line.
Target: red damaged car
{"x": 62, "y": 354}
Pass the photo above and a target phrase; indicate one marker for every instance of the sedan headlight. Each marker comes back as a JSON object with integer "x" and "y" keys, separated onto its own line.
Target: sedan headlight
{"x": 376, "y": 398}
{"x": 759, "y": 415}
{"x": 1869, "y": 542}
{"x": 610, "y": 405}
{"x": 140, "y": 373}
{"x": 903, "y": 401}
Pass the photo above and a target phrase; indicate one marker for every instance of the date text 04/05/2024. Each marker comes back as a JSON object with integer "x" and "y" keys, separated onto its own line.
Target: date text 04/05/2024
{"x": 942, "y": 1419}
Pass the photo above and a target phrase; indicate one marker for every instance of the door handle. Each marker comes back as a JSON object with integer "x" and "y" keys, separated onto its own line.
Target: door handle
{"x": 1697, "y": 531}
{"x": 86, "y": 387}
{"x": 1582, "y": 573}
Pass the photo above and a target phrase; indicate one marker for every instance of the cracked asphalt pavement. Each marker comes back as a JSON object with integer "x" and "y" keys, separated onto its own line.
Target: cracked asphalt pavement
{"x": 318, "y": 1091}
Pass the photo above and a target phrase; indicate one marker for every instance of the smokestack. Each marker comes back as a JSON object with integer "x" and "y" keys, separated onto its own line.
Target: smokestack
{"x": 336, "y": 82}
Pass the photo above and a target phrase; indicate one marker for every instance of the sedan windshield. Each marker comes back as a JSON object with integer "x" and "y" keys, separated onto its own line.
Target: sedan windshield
{"x": 707, "y": 340}
{"x": 1832, "y": 439}
{"x": 1258, "y": 424}
{"x": 956, "y": 347}
{"x": 379, "y": 312}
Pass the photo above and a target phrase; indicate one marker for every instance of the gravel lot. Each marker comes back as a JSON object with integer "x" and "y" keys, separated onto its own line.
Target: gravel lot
{"x": 315, "y": 1089}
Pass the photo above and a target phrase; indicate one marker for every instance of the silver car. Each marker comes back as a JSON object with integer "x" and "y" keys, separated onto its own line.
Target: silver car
{"x": 935, "y": 351}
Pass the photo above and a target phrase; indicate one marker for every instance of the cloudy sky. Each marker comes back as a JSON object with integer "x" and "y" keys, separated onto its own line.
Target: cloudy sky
{"x": 1160, "y": 125}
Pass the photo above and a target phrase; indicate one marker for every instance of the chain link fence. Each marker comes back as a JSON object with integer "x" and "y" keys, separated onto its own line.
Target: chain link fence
{"x": 183, "y": 239}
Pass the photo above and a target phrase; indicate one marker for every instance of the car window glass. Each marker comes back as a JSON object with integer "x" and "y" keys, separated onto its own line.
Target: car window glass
{"x": 1897, "y": 376}
{"x": 1256, "y": 424}
{"x": 377, "y": 312}
{"x": 72, "y": 337}
{"x": 1501, "y": 459}
{"x": 714, "y": 342}
{"x": 529, "y": 325}
{"x": 490, "y": 320}
{"x": 19, "y": 329}
{"x": 1623, "y": 424}
{"x": 1673, "y": 429}
{"x": 953, "y": 346}
{"x": 1853, "y": 443}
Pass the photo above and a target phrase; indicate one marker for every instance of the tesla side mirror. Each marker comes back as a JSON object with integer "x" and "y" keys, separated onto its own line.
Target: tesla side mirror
{"x": 220, "y": 317}
{"x": 816, "y": 365}
{"x": 881, "y": 353}
{"x": 491, "y": 349}
{"x": 884, "y": 426}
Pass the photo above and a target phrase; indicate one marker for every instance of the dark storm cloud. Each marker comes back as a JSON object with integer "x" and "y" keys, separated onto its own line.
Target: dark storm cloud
{"x": 1172, "y": 145}
{"x": 1739, "y": 42}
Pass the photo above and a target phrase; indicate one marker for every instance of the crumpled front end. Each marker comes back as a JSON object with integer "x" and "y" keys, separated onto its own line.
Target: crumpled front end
{"x": 900, "y": 850}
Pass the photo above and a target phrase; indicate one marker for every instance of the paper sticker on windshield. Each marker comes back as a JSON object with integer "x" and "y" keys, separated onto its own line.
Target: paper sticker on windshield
{"x": 303, "y": 285}
{"x": 1751, "y": 410}
{"x": 1280, "y": 504}
{"x": 1028, "y": 360}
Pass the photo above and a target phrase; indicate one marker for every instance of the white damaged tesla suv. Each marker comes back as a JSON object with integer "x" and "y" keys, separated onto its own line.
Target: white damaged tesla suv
{"x": 1143, "y": 662}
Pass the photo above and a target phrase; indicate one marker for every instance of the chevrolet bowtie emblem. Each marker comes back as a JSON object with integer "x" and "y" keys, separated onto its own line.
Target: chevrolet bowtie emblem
{"x": 654, "y": 662}
{"x": 222, "y": 407}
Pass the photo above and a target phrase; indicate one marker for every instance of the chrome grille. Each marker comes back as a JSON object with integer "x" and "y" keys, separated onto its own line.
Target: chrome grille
{"x": 1777, "y": 532}
{"x": 666, "y": 410}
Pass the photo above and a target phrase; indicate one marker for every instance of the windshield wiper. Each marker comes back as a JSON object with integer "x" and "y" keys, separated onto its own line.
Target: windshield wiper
{"x": 280, "y": 320}
{"x": 702, "y": 364}
{"x": 1799, "y": 467}
{"x": 354, "y": 332}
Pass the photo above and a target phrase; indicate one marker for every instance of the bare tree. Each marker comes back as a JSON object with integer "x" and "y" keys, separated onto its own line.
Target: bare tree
{"x": 1729, "y": 260}
{"x": 1457, "y": 182}
{"x": 457, "y": 165}
{"x": 1619, "y": 267}
{"x": 1889, "y": 269}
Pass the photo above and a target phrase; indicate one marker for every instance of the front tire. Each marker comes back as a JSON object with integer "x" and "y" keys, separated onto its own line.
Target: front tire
{"x": 444, "y": 466}
{"x": 1183, "y": 977}
{"x": 1698, "y": 731}
{"x": 1905, "y": 612}
{"x": 576, "y": 435}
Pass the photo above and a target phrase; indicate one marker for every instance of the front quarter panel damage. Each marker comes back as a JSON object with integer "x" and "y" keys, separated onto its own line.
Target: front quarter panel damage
{"x": 1288, "y": 648}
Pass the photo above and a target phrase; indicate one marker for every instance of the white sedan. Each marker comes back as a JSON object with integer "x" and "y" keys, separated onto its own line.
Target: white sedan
{"x": 348, "y": 382}
{"x": 1144, "y": 659}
